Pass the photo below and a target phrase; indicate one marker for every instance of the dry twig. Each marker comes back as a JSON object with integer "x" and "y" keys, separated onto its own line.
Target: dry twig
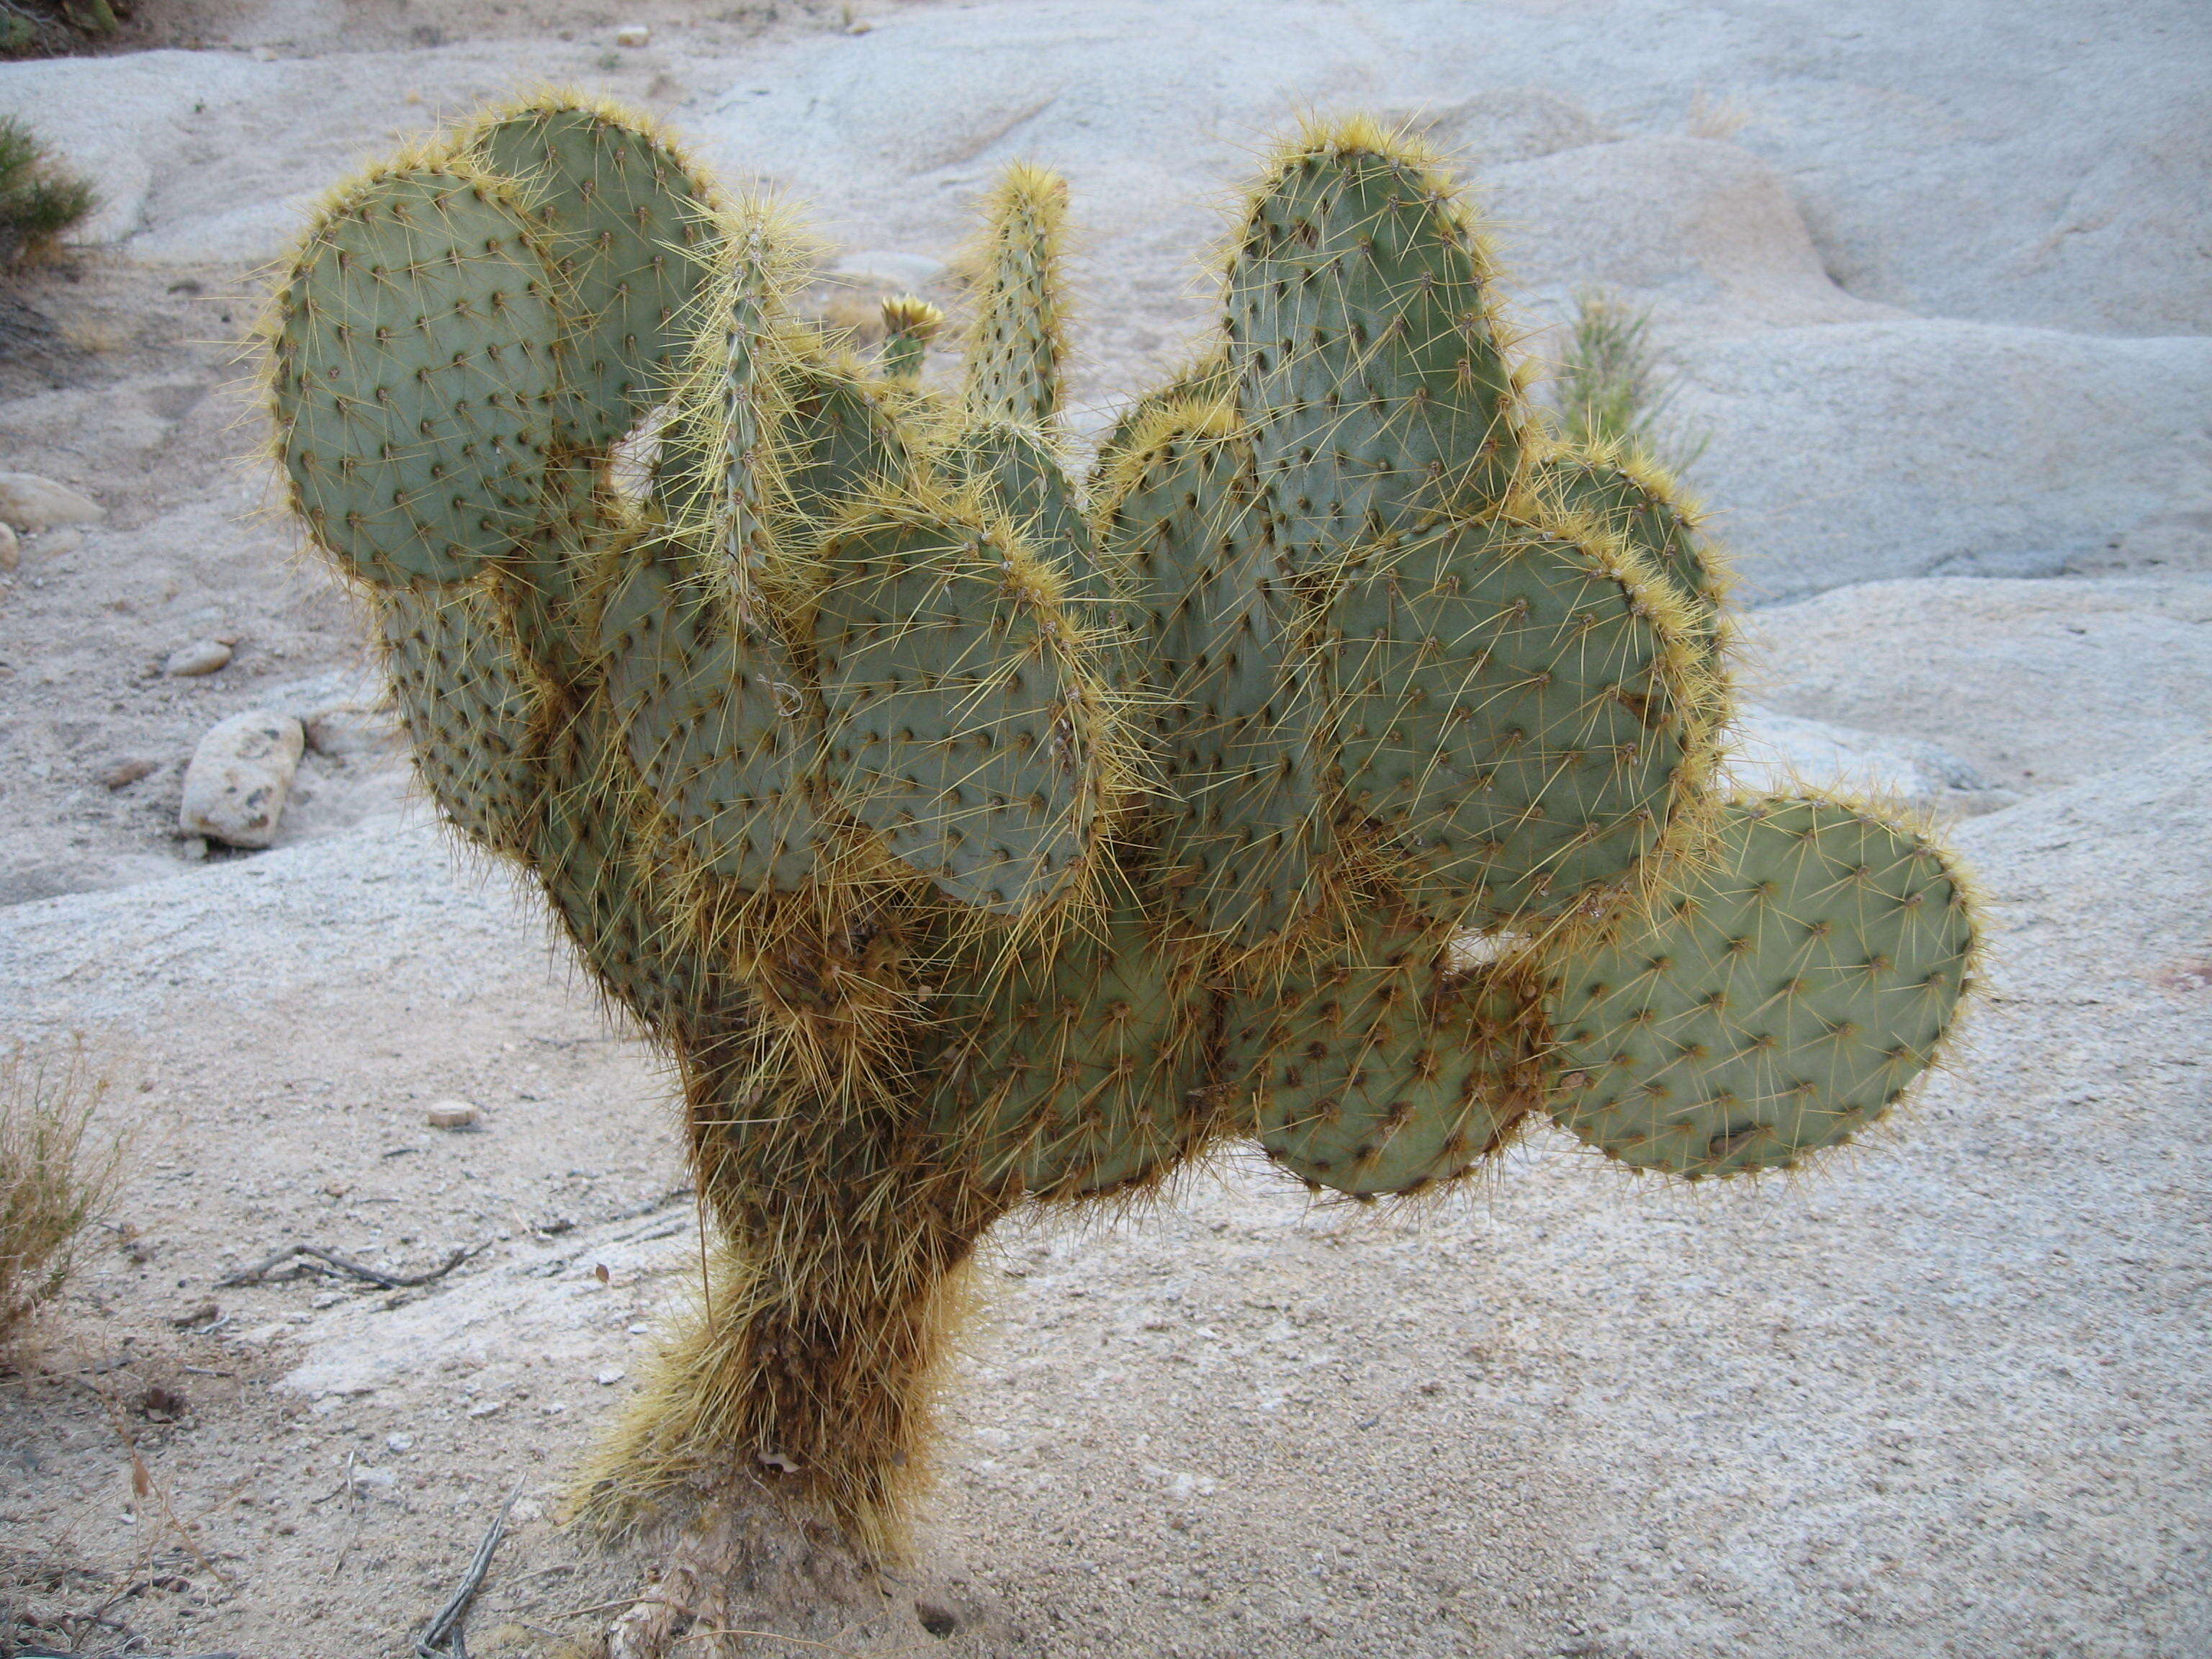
{"x": 330, "y": 1260}
{"x": 442, "y": 1638}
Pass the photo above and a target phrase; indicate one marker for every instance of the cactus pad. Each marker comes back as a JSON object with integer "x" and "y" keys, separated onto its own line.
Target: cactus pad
{"x": 629, "y": 223}
{"x": 1026, "y": 481}
{"x": 1520, "y": 717}
{"x": 473, "y": 714}
{"x": 717, "y": 720}
{"x": 1368, "y": 364}
{"x": 1633, "y": 499}
{"x": 1083, "y": 1069}
{"x": 414, "y": 374}
{"x": 1781, "y": 1001}
{"x": 1379, "y": 1069}
{"x": 1233, "y": 695}
{"x": 612, "y": 902}
{"x": 964, "y": 716}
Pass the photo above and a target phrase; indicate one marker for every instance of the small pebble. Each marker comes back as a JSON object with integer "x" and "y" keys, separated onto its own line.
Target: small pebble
{"x": 400, "y": 1442}
{"x": 123, "y": 773}
{"x": 609, "y": 1377}
{"x": 486, "y": 1407}
{"x": 632, "y": 34}
{"x": 451, "y": 1115}
{"x": 639, "y": 1329}
{"x": 200, "y": 657}
{"x": 327, "y": 1299}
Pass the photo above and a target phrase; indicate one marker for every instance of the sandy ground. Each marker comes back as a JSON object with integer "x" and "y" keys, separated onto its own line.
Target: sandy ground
{"x": 1948, "y": 1396}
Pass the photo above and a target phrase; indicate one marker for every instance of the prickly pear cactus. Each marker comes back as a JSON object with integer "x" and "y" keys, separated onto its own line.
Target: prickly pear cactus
{"x": 1335, "y": 770}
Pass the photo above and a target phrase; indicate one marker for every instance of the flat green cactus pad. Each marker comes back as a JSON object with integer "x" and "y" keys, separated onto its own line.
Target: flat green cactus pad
{"x": 1367, "y": 364}
{"x": 1519, "y": 717}
{"x": 1080, "y": 1071}
{"x": 1636, "y": 503}
{"x": 414, "y": 375}
{"x": 1377, "y": 1069}
{"x": 718, "y": 721}
{"x": 1777, "y": 1003}
{"x": 840, "y": 442}
{"x": 587, "y": 852}
{"x": 630, "y": 224}
{"x": 1026, "y": 481}
{"x": 963, "y": 713}
{"x": 473, "y": 713}
{"x": 1233, "y": 695}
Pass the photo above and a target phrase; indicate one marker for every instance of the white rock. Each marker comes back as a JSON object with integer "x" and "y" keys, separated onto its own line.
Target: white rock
{"x": 200, "y": 657}
{"x": 350, "y": 730}
{"x": 1703, "y": 228}
{"x": 400, "y": 1442}
{"x": 487, "y": 1408}
{"x": 1867, "y": 450}
{"x": 452, "y": 1114}
{"x": 30, "y": 503}
{"x": 235, "y": 786}
{"x": 1510, "y": 123}
{"x": 608, "y": 1377}
{"x": 11, "y": 549}
{"x": 881, "y": 268}
{"x": 632, "y": 34}
{"x": 1775, "y": 753}
{"x": 2037, "y": 684}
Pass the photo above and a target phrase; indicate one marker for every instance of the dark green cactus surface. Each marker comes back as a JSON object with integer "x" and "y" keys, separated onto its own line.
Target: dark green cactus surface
{"x": 1335, "y": 769}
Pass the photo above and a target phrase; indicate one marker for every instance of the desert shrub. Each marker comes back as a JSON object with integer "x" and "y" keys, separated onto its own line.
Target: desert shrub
{"x": 32, "y": 27}
{"x": 54, "y": 1181}
{"x": 38, "y": 199}
{"x": 1616, "y": 384}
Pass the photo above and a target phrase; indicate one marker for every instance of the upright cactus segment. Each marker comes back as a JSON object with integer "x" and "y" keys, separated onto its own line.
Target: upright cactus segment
{"x": 1018, "y": 337}
{"x": 969, "y": 838}
{"x": 910, "y": 322}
